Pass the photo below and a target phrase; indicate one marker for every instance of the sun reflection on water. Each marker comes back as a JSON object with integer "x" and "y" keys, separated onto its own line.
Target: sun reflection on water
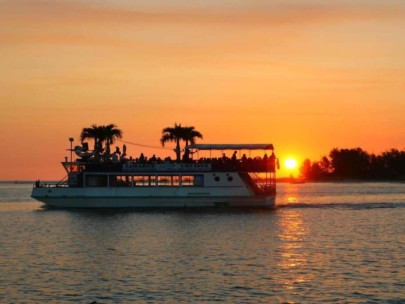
{"x": 290, "y": 194}
{"x": 292, "y": 249}
{"x": 292, "y": 199}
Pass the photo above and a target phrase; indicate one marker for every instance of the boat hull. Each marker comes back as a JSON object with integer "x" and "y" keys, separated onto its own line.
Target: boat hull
{"x": 230, "y": 191}
{"x": 155, "y": 201}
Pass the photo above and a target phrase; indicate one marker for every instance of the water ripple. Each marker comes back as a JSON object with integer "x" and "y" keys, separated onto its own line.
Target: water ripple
{"x": 331, "y": 243}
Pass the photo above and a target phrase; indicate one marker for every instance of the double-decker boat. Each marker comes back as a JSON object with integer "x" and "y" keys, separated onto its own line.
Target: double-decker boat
{"x": 94, "y": 182}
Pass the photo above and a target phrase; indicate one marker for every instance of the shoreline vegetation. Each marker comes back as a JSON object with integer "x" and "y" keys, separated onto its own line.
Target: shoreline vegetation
{"x": 355, "y": 165}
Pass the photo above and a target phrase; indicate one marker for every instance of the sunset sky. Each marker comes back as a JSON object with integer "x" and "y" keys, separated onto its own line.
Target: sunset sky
{"x": 305, "y": 75}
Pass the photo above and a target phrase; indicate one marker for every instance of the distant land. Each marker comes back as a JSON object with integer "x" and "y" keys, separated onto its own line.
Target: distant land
{"x": 356, "y": 165}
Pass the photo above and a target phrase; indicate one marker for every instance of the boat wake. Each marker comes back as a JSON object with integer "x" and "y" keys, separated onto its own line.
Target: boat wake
{"x": 352, "y": 206}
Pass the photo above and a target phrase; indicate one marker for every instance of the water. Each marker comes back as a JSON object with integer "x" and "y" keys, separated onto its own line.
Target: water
{"x": 334, "y": 243}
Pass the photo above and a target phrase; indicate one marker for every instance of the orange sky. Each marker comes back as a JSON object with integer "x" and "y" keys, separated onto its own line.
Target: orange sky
{"x": 306, "y": 77}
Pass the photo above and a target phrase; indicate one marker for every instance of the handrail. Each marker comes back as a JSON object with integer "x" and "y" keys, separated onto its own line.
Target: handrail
{"x": 50, "y": 185}
{"x": 63, "y": 181}
{"x": 268, "y": 187}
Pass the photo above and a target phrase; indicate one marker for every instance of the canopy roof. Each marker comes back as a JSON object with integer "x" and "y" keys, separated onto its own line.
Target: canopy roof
{"x": 231, "y": 146}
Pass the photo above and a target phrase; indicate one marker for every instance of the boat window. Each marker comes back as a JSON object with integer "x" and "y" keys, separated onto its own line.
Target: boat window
{"x": 164, "y": 180}
{"x": 168, "y": 180}
{"x": 142, "y": 180}
{"x": 153, "y": 180}
{"x": 198, "y": 180}
{"x": 176, "y": 180}
{"x": 74, "y": 168}
{"x": 187, "y": 180}
{"x": 96, "y": 180}
{"x": 120, "y": 181}
{"x": 192, "y": 180}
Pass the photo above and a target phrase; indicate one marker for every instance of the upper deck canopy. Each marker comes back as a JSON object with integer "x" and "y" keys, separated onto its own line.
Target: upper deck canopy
{"x": 231, "y": 146}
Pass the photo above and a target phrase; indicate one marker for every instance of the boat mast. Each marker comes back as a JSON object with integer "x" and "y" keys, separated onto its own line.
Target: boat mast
{"x": 71, "y": 139}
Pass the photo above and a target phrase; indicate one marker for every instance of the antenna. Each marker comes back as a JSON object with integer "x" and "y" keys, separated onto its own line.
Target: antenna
{"x": 71, "y": 139}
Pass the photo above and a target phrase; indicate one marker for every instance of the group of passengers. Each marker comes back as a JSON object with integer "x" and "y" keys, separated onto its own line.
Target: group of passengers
{"x": 145, "y": 160}
{"x": 243, "y": 163}
{"x": 223, "y": 162}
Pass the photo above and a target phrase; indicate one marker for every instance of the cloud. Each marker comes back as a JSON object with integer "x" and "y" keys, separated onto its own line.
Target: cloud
{"x": 76, "y": 13}
{"x": 276, "y": 40}
{"x": 174, "y": 31}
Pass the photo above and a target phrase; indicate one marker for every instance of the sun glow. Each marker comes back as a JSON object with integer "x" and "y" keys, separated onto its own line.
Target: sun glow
{"x": 290, "y": 163}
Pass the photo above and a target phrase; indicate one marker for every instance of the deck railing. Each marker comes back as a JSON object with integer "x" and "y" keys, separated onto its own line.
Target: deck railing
{"x": 249, "y": 165}
{"x": 50, "y": 185}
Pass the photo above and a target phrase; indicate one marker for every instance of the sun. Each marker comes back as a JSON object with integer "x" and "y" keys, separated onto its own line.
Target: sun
{"x": 290, "y": 163}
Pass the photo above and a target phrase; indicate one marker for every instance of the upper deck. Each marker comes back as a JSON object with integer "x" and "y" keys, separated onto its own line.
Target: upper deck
{"x": 202, "y": 165}
{"x": 257, "y": 173}
{"x": 235, "y": 163}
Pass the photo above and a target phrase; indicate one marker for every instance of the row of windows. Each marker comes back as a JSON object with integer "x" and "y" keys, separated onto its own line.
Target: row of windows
{"x": 143, "y": 180}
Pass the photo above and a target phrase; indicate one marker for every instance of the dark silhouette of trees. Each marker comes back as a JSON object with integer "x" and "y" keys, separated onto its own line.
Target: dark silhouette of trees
{"x": 173, "y": 134}
{"x": 316, "y": 170}
{"x": 356, "y": 163}
{"x": 94, "y": 133}
{"x": 349, "y": 163}
{"x": 393, "y": 163}
{"x": 111, "y": 133}
{"x": 190, "y": 135}
{"x": 97, "y": 134}
{"x": 306, "y": 168}
{"x": 178, "y": 133}
{"x": 101, "y": 134}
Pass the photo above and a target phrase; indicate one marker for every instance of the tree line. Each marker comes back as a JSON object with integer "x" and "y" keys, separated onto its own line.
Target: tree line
{"x": 356, "y": 164}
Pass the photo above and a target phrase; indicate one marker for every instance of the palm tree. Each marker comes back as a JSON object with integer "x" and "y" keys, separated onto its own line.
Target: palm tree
{"x": 190, "y": 135}
{"x": 174, "y": 134}
{"x": 178, "y": 133}
{"x": 95, "y": 133}
{"x": 111, "y": 133}
{"x": 101, "y": 134}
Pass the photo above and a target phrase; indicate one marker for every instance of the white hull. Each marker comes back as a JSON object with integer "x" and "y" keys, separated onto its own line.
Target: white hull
{"x": 232, "y": 193}
{"x": 157, "y": 202}
{"x": 145, "y": 198}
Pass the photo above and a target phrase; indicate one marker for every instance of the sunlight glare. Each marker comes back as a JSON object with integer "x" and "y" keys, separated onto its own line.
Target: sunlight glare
{"x": 290, "y": 163}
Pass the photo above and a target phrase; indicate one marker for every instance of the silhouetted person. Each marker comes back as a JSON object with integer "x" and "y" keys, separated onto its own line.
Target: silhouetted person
{"x": 234, "y": 156}
{"x": 186, "y": 155}
{"x": 85, "y": 147}
{"x": 272, "y": 162}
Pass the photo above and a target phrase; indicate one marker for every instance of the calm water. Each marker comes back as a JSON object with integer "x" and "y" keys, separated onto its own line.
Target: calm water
{"x": 333, "y": 243}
